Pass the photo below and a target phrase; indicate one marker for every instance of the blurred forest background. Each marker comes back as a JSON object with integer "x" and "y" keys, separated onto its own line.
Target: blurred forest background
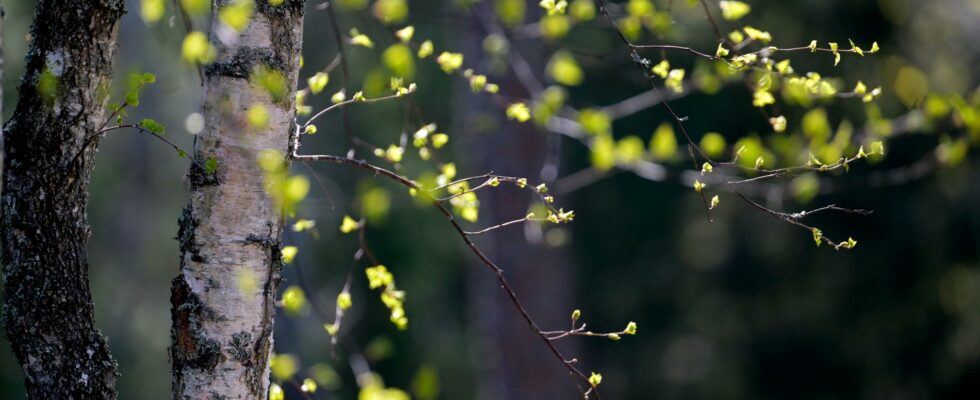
{"x": 743, "y": 308}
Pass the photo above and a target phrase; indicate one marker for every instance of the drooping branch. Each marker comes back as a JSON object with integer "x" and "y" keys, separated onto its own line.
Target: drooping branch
{"x": 466, "y": 237}
{"x": 696, "y": 151}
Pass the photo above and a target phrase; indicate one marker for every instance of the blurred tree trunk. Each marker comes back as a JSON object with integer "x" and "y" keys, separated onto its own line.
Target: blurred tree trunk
{"x": 513, "y": 363}
{"x": 223, "y": 300}
{"x": 48, "y": 311}
{"x": 2, "y": 15}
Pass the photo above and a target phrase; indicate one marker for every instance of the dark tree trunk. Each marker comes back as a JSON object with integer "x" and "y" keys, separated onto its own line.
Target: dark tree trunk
{"x": 1, "y": 96}
{"x": 48, "y": 312}
{"x": 222, "y": 329}
{"x": 513, "y": 363}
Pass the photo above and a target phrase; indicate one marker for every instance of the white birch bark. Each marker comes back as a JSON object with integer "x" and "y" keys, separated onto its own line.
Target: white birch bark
{"x": 223, "y": 298}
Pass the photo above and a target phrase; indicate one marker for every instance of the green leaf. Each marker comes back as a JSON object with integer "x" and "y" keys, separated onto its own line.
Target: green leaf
{"x": 360, "y": 39}
{"x": 425, "y": 384}
{"x": 450, "y": 61}
{"x": 630, "y": 149}
{"x": 554, "y": 27}
{"x": 349, "y": 225}
{"x": 405, "y": 34}
{"x": 603, "y": 153}
{"x": 289, "y": 253}
{"x": 510, "y": 12}
{"x": 805, "y": 187}
{"x": 236, "y": 14}
{"x": 439, "y": 140}
{"x": 425, "y": 49}
{"x": 399, "y": 60}
{"x": 276, "y": 392}
{"x": 721, "y": 51}
{"x": 595, "y": 121}
{"x": 152, "y": 126}
{"x": 663, "y": 145}
{"x": 762, "y": 98}
{"x": 152, "y": 10}
{"x": 661, "y": 69}
{"x": 390, "y": 11}
{"x": 733, "y": 10}
{"x": 817, "y": 236}
{"x": 293, "y": 301}
{"x": 318, "y": 82}
{"x": 878, "y": 147}
{"x": 757, "y": 34}
{"x": 563, "y": 69}
{"x": 272, "y": 81}
{"x": 211, "y": 166}
{"x": 284, "y": 366}
{"x": 814, "y": 160}
{"x": 554, "y": 7}
{"x": 519, "y": 112}
{"x": 196, "y": 7}
{"x": 379, "y": 276}
{"x": 675, "y": 80}
{"x": 595, "y": 379}
{"x": 344, "y": 300}
{"x": 713, "y": 144}
{"x": 816, "y": 125}
{"x": 133, "y": 98}
{"x": 855, "y": 48}
{"x": 196, "y": 48}
{"x": 257, "y": 116}
{"x": 308, "y": 386}
{"x": 582, "y": 10}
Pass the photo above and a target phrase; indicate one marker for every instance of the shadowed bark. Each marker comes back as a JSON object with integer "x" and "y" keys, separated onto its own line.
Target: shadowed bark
{"x": 2, "y": 15}
{"x": 511, "y": 361}
{"x": 223, "y": 300}
{"x": 48, "y": 312}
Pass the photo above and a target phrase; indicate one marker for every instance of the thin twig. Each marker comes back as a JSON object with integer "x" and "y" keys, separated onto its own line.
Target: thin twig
{"x": 504, "y": 283}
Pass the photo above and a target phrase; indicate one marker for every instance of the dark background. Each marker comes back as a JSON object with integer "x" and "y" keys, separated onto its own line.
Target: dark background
{"x": 743, "y": 308}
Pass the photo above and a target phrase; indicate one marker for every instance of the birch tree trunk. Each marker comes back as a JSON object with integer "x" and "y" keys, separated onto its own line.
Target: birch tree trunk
{"x": 48, "y": 312}
{"x": 229, "y": 233}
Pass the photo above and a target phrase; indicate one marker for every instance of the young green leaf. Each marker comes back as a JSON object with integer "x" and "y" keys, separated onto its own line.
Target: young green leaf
{"x": 152, "y": 126}
{"x": 211, "y": 166}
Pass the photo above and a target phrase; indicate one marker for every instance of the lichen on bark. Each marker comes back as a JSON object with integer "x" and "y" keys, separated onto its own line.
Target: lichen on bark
{"x": 48, "y": 312}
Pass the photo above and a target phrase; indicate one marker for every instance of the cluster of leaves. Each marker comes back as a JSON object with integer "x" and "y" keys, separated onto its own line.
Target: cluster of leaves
{"x": 802, "y": 143}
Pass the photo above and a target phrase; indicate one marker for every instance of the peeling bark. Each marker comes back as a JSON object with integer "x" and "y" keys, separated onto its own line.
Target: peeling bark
{"x": 229, "y": 233}
{"x": 48, "y": 312}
